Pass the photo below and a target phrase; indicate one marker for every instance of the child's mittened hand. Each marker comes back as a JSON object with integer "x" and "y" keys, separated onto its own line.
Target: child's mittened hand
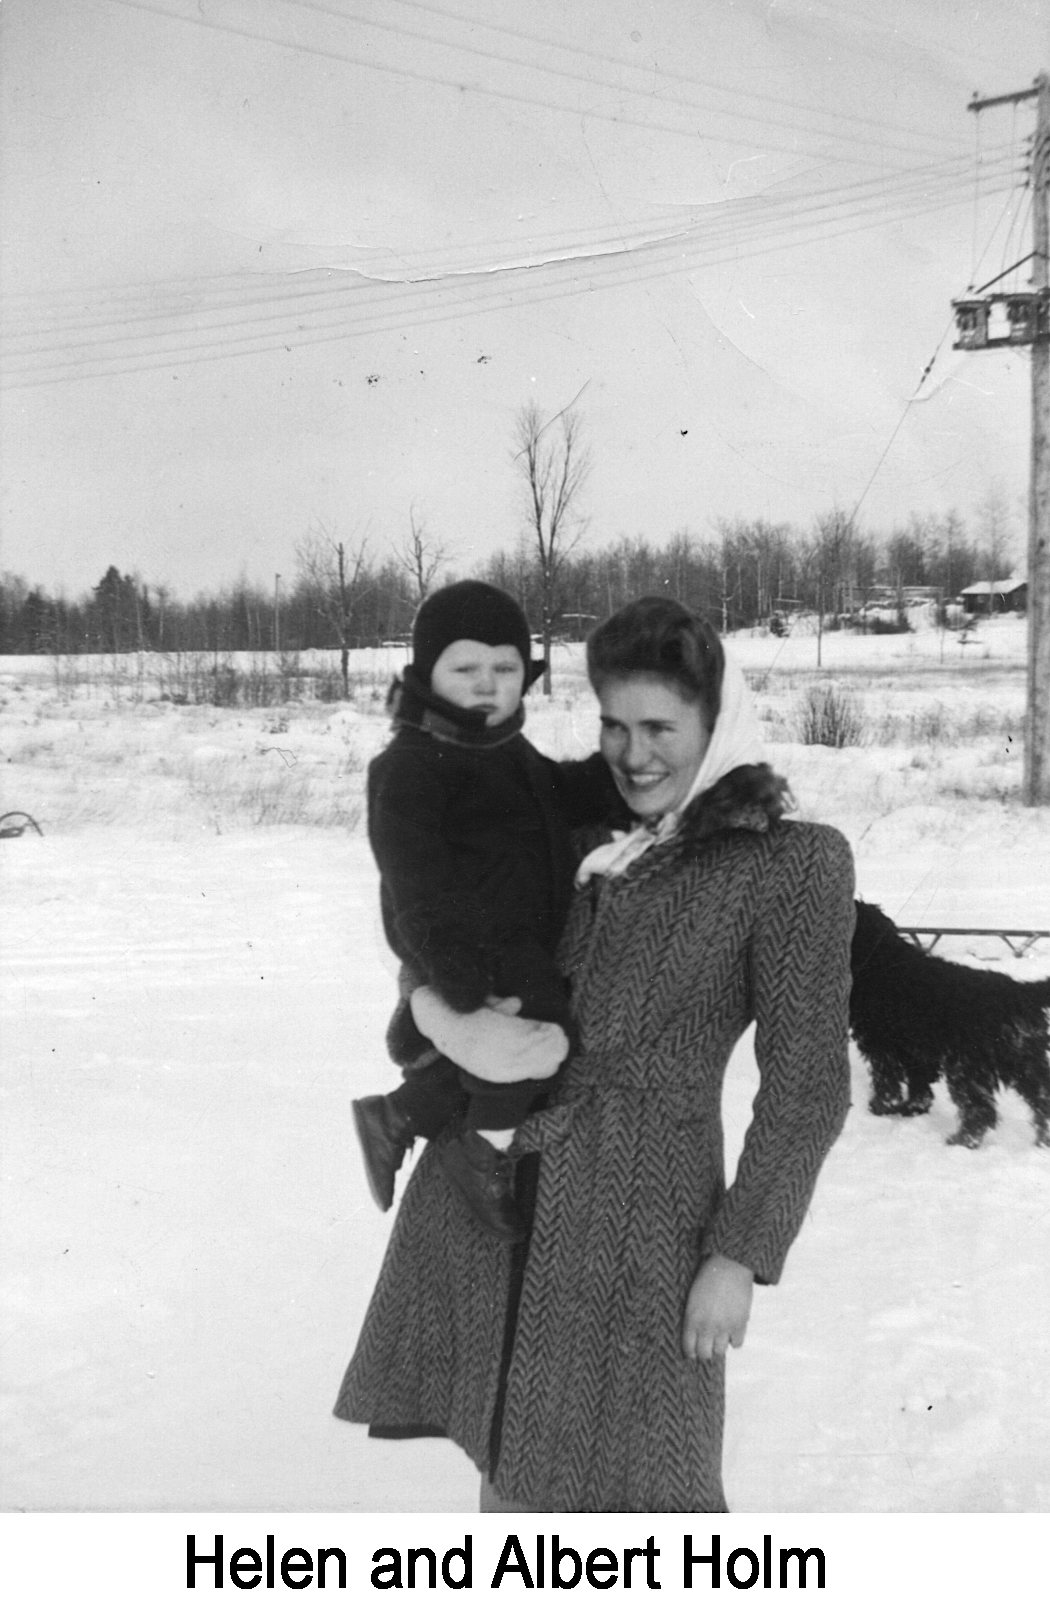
{"x": 491, "y": 1043}
{"x": 504, "y": 1005}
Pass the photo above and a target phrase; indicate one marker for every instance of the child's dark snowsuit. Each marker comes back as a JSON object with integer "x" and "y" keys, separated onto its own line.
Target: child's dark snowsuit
{"x": 470, "y": 828}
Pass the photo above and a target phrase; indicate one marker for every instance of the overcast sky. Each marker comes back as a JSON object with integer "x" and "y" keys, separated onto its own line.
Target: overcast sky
{"x": 269, "y": 262}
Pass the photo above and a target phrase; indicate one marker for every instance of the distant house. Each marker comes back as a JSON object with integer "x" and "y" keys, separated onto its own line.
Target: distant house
{"x": 1008, "y": 594}
{"x": 889, "y": 597}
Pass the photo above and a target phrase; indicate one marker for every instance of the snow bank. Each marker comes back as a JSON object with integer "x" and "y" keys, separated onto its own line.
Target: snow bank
{"x": 194, "y": 985}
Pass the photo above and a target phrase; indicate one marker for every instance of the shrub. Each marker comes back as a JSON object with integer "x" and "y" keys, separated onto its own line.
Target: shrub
{"x": 199, "y": 678}
{"x": 827, "y": 714}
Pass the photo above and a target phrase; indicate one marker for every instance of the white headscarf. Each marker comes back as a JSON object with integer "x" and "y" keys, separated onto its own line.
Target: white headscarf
{"x": 736, "y": 741}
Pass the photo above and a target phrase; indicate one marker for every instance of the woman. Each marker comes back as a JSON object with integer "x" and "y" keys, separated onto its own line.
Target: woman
{"x": 586, "y": 1374}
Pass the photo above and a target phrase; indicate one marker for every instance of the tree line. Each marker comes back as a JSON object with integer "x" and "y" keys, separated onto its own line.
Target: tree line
{"x": 341, "y": 595}
{"x": 742, "y": 574}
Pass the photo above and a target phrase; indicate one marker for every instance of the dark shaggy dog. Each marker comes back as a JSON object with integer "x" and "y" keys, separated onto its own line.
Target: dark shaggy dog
{"x": 917, "y": 1018}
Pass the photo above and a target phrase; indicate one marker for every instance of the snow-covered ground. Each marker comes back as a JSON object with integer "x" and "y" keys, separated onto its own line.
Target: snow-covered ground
{"x": 195, "y": 986}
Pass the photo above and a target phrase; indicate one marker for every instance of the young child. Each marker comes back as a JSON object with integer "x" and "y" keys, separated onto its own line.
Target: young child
{"x": 469, "y": 825}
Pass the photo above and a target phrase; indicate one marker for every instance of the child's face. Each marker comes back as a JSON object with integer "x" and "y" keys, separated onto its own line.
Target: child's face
{"x": 480, "y": 677}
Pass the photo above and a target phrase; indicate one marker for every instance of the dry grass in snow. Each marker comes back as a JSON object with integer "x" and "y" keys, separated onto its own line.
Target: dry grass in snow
{"x": 193, "y": 985}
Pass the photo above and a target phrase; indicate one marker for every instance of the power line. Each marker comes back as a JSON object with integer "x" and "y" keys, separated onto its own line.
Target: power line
{"x": 915, "y": 395}
{"x": 1017, "y": 225}
{"x": 233, "y": 283}
{"x": 518, "y": 98}
{"x": 995, "y": 229}
{"x": 479, "y": 292}
{"x": 185, "y": 284}
{"x": 588, "y": 79}
{"x": 365, "y": 302}
{"x": 893, "y": 435}
{"x": 488, "y": 301}
{"x": 664, "y": 73}
{"x": 738, "y": 222}
{"x": 233, "y": 293}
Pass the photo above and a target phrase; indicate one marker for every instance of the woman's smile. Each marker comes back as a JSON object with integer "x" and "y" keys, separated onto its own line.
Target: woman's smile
{"x": 654, "y": 741}
{"x": 648, "y": 780}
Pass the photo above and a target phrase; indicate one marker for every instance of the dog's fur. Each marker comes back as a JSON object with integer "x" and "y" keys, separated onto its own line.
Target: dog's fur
{"x": 916, "y": 1018}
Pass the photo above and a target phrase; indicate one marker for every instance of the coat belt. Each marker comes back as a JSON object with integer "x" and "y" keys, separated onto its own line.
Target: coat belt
{"x": 595, "y": 1076}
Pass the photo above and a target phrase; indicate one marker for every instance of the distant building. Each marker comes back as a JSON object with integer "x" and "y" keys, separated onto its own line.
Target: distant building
{"x": 577, "y": 623}
{"x": 898, "y": 607}
{"x": 984, "y": 599}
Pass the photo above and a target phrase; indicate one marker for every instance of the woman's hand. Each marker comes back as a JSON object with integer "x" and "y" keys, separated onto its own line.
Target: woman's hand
{"x": 493, "y": 1043}
{"x": 717, "y": 1308}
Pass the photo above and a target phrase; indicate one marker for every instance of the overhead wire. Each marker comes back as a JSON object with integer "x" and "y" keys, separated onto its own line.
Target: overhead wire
{"x": 1023, "y": 214}
{"x": 304, "y": 4}
{"x": 229, "y": 283}
{"x": 1018, "y": 223}
{"x": 1004, "y": 272}
{"x": 479, "y": 295}
{"x": 695, "y": 249}
{"x": 896, "y": 430}
{"x": 737, "y": 222}
{"x": 590, "y": 79}
{"x": 668, "y": 219}
{"x": 922, "y": 379}
{"x": 664, "y": 73}
{"x": 238, "y": 313}
{"x": 487, "y": 300}
{"x": 246, "y": 288}
{"x": 691, "y": 132}
{"x": 1013, "y": 133}
{"x": 1019, "y": 184}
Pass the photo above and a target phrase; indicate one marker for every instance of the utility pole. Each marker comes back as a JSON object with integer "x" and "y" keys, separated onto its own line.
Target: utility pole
{"x": 1037, "y": 708}
{"x": 1025, "y": 322}
{"x": 277, "y": 613}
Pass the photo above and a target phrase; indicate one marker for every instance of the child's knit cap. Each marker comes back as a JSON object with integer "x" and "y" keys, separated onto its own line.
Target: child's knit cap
{"x": 468, "y": 610}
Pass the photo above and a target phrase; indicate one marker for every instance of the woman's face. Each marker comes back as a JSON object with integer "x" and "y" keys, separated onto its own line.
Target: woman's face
{"x": 654, "y": 741}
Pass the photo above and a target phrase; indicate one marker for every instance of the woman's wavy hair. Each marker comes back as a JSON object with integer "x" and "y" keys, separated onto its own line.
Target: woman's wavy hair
{"x": 658, "y": 636}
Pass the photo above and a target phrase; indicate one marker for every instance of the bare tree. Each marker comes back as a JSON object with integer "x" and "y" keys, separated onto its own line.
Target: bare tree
{"x": 826, "y": 567}
{"x": 332, "y": 574}
{"x": 995, "y": 532}
{"x": 554, "y": 462}
{"x": 420, "y": 556}
{"x": 728, "y": 561}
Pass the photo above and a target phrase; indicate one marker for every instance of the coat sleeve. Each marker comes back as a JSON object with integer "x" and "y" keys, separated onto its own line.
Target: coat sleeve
{"x": 435, "y": 924}
{"x": 587, "y": 794}
{"x": 800, "y": 984}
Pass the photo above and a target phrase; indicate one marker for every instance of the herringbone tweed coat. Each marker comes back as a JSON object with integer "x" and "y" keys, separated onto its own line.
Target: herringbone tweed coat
{"x": 584, "y": 1402}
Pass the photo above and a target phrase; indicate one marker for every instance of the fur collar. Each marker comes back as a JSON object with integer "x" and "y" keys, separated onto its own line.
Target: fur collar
{"x": 749, "y": 798}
